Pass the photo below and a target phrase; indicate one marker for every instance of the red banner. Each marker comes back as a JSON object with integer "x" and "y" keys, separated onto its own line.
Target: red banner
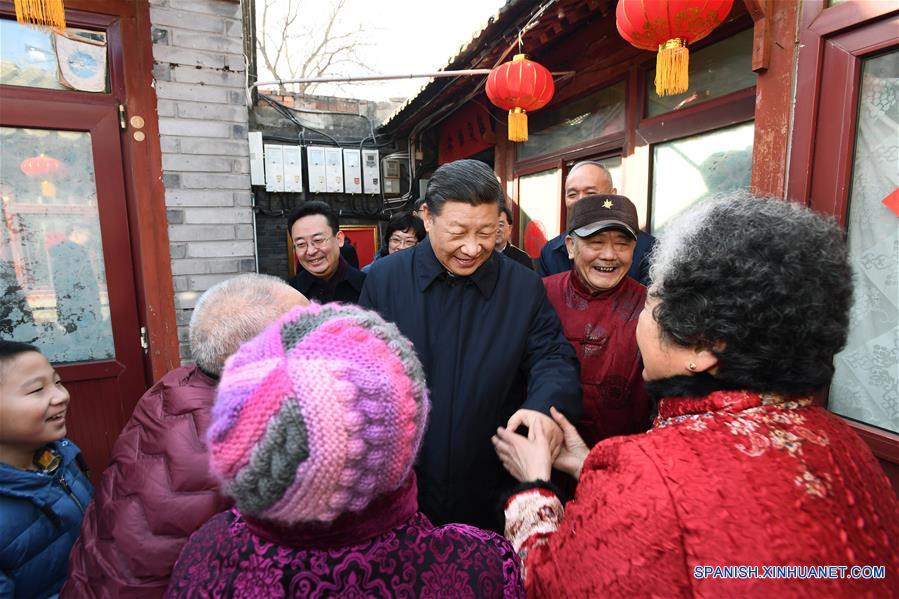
{"x": 466, "y": 132}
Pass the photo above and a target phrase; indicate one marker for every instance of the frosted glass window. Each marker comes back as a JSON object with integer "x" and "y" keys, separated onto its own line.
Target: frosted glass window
{"x": 52, "y": 279}
{"x": 685, "y": 170}
{"x": 866, "y": 382}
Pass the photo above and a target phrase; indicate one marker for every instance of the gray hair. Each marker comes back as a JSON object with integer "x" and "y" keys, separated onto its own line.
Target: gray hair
{"x": 595, "y": 163}
{"x": 763, "y": 283}
{"x": 233, "y": 312}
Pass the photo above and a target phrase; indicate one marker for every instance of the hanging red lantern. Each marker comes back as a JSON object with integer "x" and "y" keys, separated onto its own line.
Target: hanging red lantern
{"x": 40, "y": 166}
{"x": 668, "y": 26}
{"x": 520, "y": 86}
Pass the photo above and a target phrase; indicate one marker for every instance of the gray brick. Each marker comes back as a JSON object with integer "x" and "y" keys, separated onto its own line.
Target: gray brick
{"x": 162, "y": 71}
{"x": 180, "y": 283}
{"x": 216, "y": 147}
{"x": 244, "y": 231}
{"x": 215, "y": 249}
{"x": 201, "y": 232}
{"x": 166, "y": 108}
{"x": 160, "y": 36}
{"x": 225, "y": 9}
{"x": 240, "y": 165}
{"x": 239, "y": 132}
{"x": 197, "y": 163}
{"x": 211, "y": 43}
{"x": 238, "y": 98}
{"x": 206, "y": 181}
{"x": 186, "y": 74}
{"x": 204, "y": 282}
{"x": 199, "y": 197}
{"x": 170, "y": 180}
{"x": 195, "y": 93}
{"x": 225, "y": 216}
{"x": 248, "y": 265}
{"x": 189, "y": 56}
{"x": 243, "y": 198}
{"x": 182, "y": 317}
{"x": 234, "y": 29}
{"x": 236, "y": 62}
{"x": 193, "y": 128}
{"x": 174, "y": 217}
{"x": 178, "y": 250}
{"x": 177, "y": 18}
{"x": 170, "y": 145}
{"x": 212, "y": 112}
{"x": 205, "y": 266}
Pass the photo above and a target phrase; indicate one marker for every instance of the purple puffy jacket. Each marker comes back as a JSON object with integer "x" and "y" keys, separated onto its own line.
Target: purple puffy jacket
{"x": 156, "y": 491}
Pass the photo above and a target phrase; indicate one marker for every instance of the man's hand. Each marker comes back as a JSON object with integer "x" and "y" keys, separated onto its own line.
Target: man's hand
{"x": 526, "y": 458}
{"x": 574, "y": 450}
{"x": 530, "y": 419}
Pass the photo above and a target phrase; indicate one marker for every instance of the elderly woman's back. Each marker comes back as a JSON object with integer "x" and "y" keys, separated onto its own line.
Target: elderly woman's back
{"x": 742, "y": 487}
{"x": 314, "y": 431}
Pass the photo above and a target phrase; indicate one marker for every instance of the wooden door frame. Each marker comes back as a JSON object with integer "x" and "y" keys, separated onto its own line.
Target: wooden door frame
{"x": 131, "y": 65}
{"x": 820, "y": 170}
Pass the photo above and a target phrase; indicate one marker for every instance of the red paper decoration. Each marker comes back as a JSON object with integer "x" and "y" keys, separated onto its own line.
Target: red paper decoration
{"x": 668, "y": 26}
{"x": 40, "y": 166}
{"x": 520, "y": 86}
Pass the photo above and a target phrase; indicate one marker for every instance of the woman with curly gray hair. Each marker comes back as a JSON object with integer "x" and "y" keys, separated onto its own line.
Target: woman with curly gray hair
{"x": 743, "y": 486}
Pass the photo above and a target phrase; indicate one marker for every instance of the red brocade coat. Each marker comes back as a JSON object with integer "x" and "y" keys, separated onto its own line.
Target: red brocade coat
{"x": 602, "y": 328}
{"x": 730, "y": 479}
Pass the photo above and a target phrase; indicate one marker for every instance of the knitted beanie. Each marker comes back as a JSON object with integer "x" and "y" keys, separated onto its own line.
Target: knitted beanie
{"x": 319, "y": 414}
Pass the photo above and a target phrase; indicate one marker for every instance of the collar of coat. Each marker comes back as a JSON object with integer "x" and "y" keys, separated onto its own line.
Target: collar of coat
{"x": 344, "y": 273}
{"x": 384, "y": 513}
{"x": 429, "y": 269}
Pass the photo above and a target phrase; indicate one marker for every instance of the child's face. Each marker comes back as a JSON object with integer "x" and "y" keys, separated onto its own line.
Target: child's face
{"x": 33, "y": 402}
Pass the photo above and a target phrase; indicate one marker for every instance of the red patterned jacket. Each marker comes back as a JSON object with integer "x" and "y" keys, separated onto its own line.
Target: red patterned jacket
{"x": 729, "y": 479}
{"x": 156, "y": 492}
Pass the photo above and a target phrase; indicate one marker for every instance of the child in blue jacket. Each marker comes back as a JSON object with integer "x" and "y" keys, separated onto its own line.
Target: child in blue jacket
{"x": 44, "y": 488}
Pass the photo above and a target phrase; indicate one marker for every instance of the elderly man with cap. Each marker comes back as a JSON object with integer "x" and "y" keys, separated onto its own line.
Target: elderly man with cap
{"x": 599, "y": 306}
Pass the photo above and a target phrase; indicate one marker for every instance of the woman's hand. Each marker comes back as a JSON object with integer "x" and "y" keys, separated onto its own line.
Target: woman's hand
{"x": 526, "y": 458}
{"x": 574, "y": 450}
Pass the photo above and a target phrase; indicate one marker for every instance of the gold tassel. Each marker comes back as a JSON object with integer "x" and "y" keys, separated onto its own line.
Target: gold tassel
{"x": 672, "y": 68}
{"x": 50, "y": 14}
{"x": 48, "y": 190}
{"x": 518, "y": 125}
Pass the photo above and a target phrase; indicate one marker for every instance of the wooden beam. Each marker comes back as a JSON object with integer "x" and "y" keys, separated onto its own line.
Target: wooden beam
{"x": 760, "y": 11}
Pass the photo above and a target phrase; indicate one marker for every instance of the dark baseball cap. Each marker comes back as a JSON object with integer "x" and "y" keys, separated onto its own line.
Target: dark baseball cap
{"x": 594, "y": 213}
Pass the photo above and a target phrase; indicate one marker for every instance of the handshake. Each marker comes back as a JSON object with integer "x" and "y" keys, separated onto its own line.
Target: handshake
{"x": 550, "y": 443}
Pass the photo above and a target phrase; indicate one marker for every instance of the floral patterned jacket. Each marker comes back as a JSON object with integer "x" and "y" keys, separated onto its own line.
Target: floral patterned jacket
{"x": 388, "y": 550}
{"x": 727, "y": 479}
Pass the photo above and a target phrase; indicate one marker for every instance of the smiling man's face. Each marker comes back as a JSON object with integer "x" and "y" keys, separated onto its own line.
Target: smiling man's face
{"x": 462, "y": 236}
{"x": 603, "y": 259}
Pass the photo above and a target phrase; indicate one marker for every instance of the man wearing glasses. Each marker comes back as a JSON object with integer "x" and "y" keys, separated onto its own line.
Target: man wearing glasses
{"x": 325, "y": 276}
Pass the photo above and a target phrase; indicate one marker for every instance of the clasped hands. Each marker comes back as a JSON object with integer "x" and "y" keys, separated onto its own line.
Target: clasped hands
{"x": 551, "y": 442}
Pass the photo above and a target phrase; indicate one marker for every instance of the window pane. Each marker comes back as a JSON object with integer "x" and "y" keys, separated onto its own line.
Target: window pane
{"x": 595, "y": 116}
{"x": 715, "y": 71}
{"x": 28, "y": 57}
{"x": 52, "y": 279}
{"x": 866, "y": 382}
{"x": 687, "y": 169}
{"x": 539, "y": 198}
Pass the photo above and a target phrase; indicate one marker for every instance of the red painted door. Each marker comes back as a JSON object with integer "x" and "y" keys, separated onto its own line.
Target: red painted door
{"x": 66, "y": 271}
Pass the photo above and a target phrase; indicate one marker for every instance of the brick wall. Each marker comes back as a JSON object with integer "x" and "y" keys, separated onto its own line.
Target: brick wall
{"x": 199, "y": 78}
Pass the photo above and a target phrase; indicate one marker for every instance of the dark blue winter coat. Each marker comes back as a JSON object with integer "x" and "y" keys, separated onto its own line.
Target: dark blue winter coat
{"x": 40, "y": 518}
{"x": 490, "y": 343}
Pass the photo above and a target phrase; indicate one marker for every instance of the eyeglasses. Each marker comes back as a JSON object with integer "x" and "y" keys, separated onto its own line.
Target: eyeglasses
{"x": 402, "y": 242}
{"x": 317, "y": 244}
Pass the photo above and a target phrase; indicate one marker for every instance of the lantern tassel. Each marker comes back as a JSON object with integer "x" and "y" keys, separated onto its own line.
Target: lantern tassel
{"x": 518, "y": 125}
{"x": 41, "y": 13}
{"x": 672, "y": 68}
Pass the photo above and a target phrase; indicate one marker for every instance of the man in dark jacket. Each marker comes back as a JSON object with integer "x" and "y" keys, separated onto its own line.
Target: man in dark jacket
{"x": 464, "y": 301}
{"x": 504, "y": 243}
{"x": 158, "y": 490}
{"x": 589, "y": 178}
{"x": 325, "y": 275}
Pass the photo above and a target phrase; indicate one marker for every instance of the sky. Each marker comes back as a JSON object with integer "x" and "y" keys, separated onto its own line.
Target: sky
{"x": 401, "y": 36}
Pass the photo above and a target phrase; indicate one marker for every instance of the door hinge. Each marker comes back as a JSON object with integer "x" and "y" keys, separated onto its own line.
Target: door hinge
{"x": 123, "y": 117}
{"x": 144, "y": 339}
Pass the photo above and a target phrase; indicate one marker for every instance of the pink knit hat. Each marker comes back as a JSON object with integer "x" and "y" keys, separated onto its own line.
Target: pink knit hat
{"x": 319, "y": 414}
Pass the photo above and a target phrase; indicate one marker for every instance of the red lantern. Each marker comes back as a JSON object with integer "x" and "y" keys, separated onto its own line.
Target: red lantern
{"x": 40, "y": 166}
{"x": 520, "y": 86}
{"x": 668, "y": 26}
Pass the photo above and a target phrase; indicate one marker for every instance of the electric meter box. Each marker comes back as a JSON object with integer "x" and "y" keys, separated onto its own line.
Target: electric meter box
{"x": 274, "y": 168}
{"x": 371, "y": 172}
{"x": 352, "y": 171}
{"x": 293, "y": 169}
{"x": 257, "y": 162}
{"x": 391, "y": 176}
{"x": 315, "y": 159}
{"x": 334, "y": 170}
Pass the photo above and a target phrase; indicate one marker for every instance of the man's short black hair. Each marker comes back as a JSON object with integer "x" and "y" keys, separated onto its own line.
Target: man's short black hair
{"x": 508, "y": 212}
{"x": 468, "y": 181}
{"x": 311, "y": 208}
{"x": 9, "y": 350}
